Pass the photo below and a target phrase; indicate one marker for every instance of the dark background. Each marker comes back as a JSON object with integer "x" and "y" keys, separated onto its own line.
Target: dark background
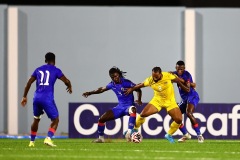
{"x": 186, "y": 3}
{"x": 206, "y": 109}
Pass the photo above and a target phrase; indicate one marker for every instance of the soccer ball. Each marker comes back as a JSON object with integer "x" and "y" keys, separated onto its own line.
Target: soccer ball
{"x": 136, "y": 137}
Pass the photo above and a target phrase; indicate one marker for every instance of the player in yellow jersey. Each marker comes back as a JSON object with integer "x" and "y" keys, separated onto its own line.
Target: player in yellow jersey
{"x": 164, "y": 97}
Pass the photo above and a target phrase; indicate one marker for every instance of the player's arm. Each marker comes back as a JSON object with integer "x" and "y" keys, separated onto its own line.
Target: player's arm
{"x": 193, "y": 85}
{"x": 186, "y": 87}
{"x": 130, "y": 90}
{"x": 97, "y": 91}
{"x": 27, "y": 87}
{"x": 139, "y": 96}
{"x": 67, "y": 83}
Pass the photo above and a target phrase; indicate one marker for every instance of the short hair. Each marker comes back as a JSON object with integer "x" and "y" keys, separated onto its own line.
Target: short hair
{"x": 157, "y": 69}
{"x": 180, "y": 63}
{"x": 117, "y": 70}
{"x": 49, "y": 57}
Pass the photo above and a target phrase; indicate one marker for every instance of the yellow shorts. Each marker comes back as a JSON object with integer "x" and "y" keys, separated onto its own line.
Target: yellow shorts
{"x": 167, "y": 104}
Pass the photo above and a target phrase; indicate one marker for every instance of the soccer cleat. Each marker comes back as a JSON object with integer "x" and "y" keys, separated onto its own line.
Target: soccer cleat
{"x": 31, "y": 144}
{"x": 128, "y": 136}
{"x": 134, "y": 130}
{"x": 200, "y": 139}
{"x": 98, "y": 140}
{"x": 185, "y": 137}
{"x": 169, "y": 138}
{"x": 49, "y": 142}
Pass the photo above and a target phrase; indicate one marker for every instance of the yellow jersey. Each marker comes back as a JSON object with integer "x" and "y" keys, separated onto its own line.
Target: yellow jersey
{"x": 163, "y": 89}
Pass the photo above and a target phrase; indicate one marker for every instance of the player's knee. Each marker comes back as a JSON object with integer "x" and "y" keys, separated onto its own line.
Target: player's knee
{"x": 132, "y": 110}
{"x": 178, "y": 120}
{"x": 35, "y": 120}
{"x": 143, "y": 115}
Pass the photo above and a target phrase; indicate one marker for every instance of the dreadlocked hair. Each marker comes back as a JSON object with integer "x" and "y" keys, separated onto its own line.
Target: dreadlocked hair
{"x": 117, "y": 70}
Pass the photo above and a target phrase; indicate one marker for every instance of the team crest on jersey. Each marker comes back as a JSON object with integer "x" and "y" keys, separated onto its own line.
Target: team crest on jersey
{"x": 159, "y": 88}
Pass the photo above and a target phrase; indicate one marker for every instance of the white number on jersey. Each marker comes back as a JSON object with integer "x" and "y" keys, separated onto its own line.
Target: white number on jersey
{"x": 47, "y": 78}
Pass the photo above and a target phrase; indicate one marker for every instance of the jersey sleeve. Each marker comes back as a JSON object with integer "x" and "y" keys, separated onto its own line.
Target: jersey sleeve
{"x": 59, "y": 73}
{"x": 189, "y": 78}
{"x": 132, "y": 84}
{"x": 109, "y": 86}
{"x": 171, "y": 76}
{"x": 147, "y": 81}
{"x": 34, "y": 74}
{"x": 129, "y": 83}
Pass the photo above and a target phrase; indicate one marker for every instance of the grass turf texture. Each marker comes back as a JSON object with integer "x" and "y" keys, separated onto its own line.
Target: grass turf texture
{"x": 149, "y": 149}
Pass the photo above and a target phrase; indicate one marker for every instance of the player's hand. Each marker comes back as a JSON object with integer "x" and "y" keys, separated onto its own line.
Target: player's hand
{"x": 24, "y": 101}
{"x": 171, "y": 72}
{"x": 128, "y": 91}
{"x": 86, "y": 94}
{"x": 69, "y": 90}
{"x": 139, "y": 102}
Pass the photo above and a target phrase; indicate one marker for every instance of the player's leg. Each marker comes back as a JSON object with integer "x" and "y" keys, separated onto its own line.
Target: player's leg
{"x": 37, "y": 112}
{"x": 51, "y": 131}
{"x": 53, "y": 127}
{"x": 107, "y": 116}
{"x": 148, "y": 110}
{"x": 34, "y": 129}
{"x": 131, "y": 111}
{"x": 186, "y": 135}
{"x": 182, "y": 127}
{"x": 52, "y": 112}
{"x": 189, "y": 113}
{"x": 176, "y": 116}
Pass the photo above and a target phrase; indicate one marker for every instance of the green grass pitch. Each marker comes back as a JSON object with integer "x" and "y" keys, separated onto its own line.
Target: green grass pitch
{"x": 118, "y": 149}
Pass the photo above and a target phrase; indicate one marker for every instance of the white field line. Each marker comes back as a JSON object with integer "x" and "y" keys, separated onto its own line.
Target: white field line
{"x": 41, "y": 149}
{"x": 228, "y": 141}
{"x": 114, "y": 150}
{"x": 103, "y": 157}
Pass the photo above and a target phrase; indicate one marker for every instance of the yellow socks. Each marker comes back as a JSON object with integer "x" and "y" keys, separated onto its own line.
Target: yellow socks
{"x": 139, "y": 121}
{"x": 173, "y": 128}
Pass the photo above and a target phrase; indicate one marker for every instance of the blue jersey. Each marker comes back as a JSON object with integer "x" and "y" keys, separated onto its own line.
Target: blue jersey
{"x": 187, "y": 95}
{"x": 46, "y": 76}
{"x": 119, "y": 90}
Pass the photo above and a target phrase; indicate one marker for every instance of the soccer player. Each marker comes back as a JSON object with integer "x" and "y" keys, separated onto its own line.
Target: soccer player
{"x": 43, "y": 100}
{"x": 161, "y": 83}
{"x": 189, "y": 101}
{"x": 126, "y": 105}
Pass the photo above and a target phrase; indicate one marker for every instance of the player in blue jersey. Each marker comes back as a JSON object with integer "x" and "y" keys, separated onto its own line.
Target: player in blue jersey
{"x": 43, "y": 100}
{"x": 189, "y": 101}
{"x": 126, "y": 105}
